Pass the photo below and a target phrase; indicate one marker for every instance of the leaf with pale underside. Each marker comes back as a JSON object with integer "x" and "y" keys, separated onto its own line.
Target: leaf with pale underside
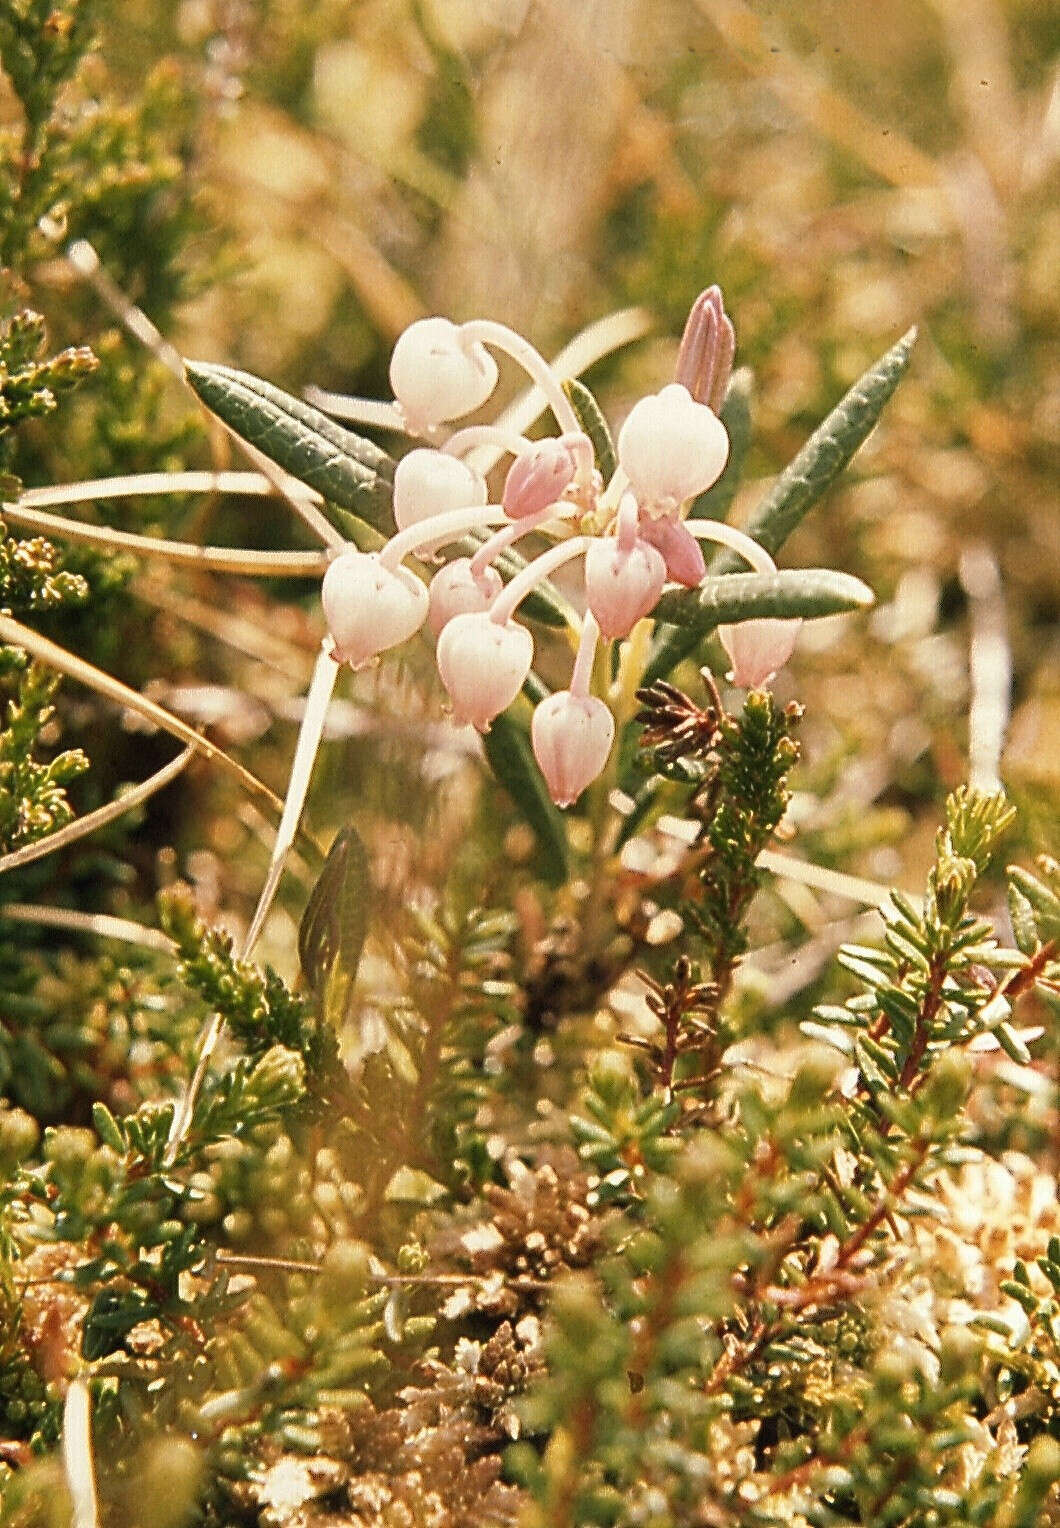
{"x": 725, "y": 600}
{"x": 827, "y": 452}
{"x": 335, "y": 923}
{"x": 347, "y": 469}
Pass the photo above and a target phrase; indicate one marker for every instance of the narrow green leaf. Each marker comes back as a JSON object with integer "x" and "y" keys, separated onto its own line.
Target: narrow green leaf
{"x": 335, "y": 923}
{"x": 507, "y": 747}
{"x": 107, "y": 1127}
{"x": 826, "y": 453}
{"x": 736, "y": 417}
{"x": 734, "y": 597}
{"x": 1021, "y": 916}
{"x": 344, "y": 467}
{"x": 591, "y": 418}
{"x": 1043, "y": 901}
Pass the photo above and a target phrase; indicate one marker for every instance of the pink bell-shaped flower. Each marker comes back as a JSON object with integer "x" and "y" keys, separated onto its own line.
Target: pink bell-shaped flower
{"x": 622, "y": 585}
{"x": 436, "y": 374}
{"x": 672, "y": 447}
{"x": 455, "y": 590}
{"x": 680, "y": 549}
{"x": 758, "y": 649}
{"x": 369, "y": 608}
{"x": 483, "y": 664}
{"x": 430, "y": 483}
{"x": 572, "y": 737}
{"x": 537, "y": 478}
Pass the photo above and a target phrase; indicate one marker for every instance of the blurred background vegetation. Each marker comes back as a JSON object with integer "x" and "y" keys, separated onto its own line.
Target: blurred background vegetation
{"x": 284, "y": 184}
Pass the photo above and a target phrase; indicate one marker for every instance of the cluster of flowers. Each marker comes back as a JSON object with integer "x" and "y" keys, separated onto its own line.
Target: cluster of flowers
{"x": 631, "y": 533}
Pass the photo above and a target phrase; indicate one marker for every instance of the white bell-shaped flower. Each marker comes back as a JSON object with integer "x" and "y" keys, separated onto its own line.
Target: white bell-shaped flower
{"x": 622, "y": 585}
{"x": 430, "y": 483}
{"x": 672, "y": 447}
{"x": 437, "y": 375}
{"x": 456, "y": 590}
{"x": 758, "y": 649}
{"x": 368, "y": 608}
{"x": 483, "y": 664}
{"x": 572, "y": 737}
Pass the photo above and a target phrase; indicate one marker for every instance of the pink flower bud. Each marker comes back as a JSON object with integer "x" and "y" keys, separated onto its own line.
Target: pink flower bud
{"x": 572, "y": 737}
{"x": 430, "y": 483}
{"x": 368, "y": 608}
{"x": 672, "y": 447}
{"x": 436, "y": 375}
{"x": 483, "y": 664}
{"x": 456, "y": 591}
{"x": 621, "y": 586}
{"x": 537, "y": 478}
{"x": 680, "y": 549}
{"x": 704, "y": 361}
{"x": 757, "y": 649}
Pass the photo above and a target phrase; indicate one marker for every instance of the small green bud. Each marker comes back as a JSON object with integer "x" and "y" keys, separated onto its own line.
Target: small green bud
{"x": 959, "y": 1354}
{"x": 345, "y": 1270}
{"x": 952, "y": 881}
{"x": 168, "y": 1482}
{"x": 107, "y": 1127}
{"x": 19, "y": 1134}
{"x": 814, "y": 1079}
{"x": 413, "y": 1257}
{"x": 612, "y": 1080}
{"x": 947, "y": 1086}
{"x": 892, "y": 1373}
{"x": 279, "y": 1077}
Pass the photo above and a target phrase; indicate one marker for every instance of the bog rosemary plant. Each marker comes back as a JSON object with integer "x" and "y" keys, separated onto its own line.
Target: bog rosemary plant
{"x": 506, "y": 1207}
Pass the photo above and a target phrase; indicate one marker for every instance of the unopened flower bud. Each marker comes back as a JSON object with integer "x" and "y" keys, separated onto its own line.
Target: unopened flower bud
{"x": 368, "y": 608}
{"x": 430, "y": 483}
{"x": 572, "y": 737}
{"x": 483, "y": 664}
{"x": 757, "y": 649}
{"x": 537, "y": 478}
{"x": 704, "y": 361}
{"x": 455, "y": 590}
{"x": 681, "y": 551}
{"x": 436, "y": 375}
{"x": 620, "y": 585}
{"x": 672, "y": 447}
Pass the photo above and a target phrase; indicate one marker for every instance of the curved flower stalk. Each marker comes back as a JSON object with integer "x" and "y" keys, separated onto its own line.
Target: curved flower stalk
{"x": 633, "y": 536}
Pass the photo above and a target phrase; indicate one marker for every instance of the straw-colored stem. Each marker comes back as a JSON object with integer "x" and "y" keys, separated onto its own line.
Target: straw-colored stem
{"x": 77, "y": 1456}
{"x": 134, "y": 485}
{"x": 213, "y": 559}
{"x": 97, "y": 925}
{"x": 99, "y": 818}
{"x": 17, "y": 635}
{"x": 84, "y": 259}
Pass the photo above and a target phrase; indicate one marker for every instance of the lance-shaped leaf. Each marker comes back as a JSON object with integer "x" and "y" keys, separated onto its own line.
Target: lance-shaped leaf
{"x": 333, "y": 928}
{"x": 826, "y": 453}
{"x": 347, "y": 469}
{"x": 511, "y": 757}
{"x": 736, "y": 417}
{"x": 723, "y": 601}
{"x": 805, "y": 479}
{"x": 591, "y": 418}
